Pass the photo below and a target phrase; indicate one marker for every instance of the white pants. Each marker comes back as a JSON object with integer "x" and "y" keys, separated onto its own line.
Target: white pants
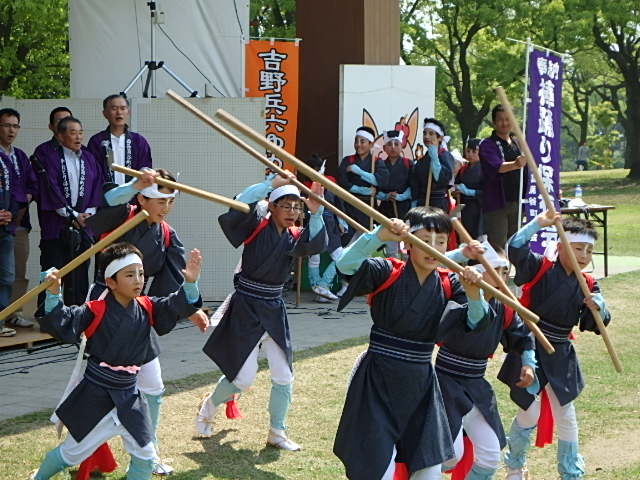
{"x": 486, "y": 445}
{"x": 278, "y": 365}
{"x": 430, "y": 473}
{"x": 564, "y": 416}
{"x": 150, "y": 378}
{"x": 314, "y": 260}
{"x": 74, "y": 453}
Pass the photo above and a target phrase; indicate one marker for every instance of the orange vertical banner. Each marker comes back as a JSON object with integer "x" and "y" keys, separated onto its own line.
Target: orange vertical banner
{"x": 272, "y": 72}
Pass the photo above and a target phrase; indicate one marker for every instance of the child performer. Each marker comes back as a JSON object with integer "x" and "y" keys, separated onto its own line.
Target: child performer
{"x": 394, "y": 411}
{"x": 551, "y": 290}
{"x": 163, "y": 257}
{"x": 438, "y": 163}
{"x": 355, "y": 175}
{"x": 107, "y": 402}
{"x": 256, "y": 316}
{"x": 469, "y": 184}
{"x": 335, "y": 227}
{"x": 460, "y": 366}
{"x": 395, "y": 197}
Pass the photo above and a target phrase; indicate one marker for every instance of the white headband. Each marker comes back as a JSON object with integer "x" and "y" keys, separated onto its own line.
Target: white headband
{"x": 398, "y": 137}
{"x": 495, "y": 260}
{"x": 120, "y": 263}
{"x": 418, "y": 226}
{"x": 153, "y": 192}
{"x": 580, "y": 238}
{"x": 283, "y": 191}
{"x": 439, "y": 131}
{"x": 364, "y": 134}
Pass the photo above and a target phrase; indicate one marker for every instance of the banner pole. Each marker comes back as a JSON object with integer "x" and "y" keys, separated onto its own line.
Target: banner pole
{"x": 524, "y": 122}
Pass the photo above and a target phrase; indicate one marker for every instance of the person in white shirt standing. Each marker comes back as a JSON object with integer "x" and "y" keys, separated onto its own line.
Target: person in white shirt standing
{"x": 117, "y": 143}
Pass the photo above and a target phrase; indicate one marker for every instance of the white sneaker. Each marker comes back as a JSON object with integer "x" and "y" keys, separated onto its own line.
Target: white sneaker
{"x": 278, "y": 438}
{"x": 319, "y": 299}
{"x": 323, "y": 292}
{"x": 517, "y": 474}
{"x": 343, "y": 289}
{"x": 161, "y": 469}
{"x": 7, "y": 332}
{"x": 206, "y": 414}
{"x": 19, "y": 321}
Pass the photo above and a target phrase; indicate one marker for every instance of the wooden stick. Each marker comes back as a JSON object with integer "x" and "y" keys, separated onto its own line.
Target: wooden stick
{"x": 533, "y": 169}
{"x": 196, "y": 192}
{"x": 262, "y": 158}
{"x": 395, "y": 208}
{"x": 372, "y": 201}
{"x": 357, "y": 203}
{"x": 427, "y": 200}
{"x": 465, "y": 237}
{"x": 76, "y": 262}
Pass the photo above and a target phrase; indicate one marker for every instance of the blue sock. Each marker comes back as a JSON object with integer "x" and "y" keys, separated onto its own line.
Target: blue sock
{"x": 223, "y": 391}
{"x": 314, "y": 275}
{"x": 518, "y": 443}
{"x": 328, "y": 276}
{"x": 570, "y": 462}
{"x": 279, "y": 404}
{"x": 51, "y": 465}
{"x": 154, "y": 402}
{"x": 480, "y": 473}
{"x": 140, "y": 469}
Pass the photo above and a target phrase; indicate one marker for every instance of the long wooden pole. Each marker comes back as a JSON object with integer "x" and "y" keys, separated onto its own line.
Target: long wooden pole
{"x": 363, "y": 207}
{"x": 533, "y": 169}
{"x": 465, "y": 237}
{"x": 372, "y": 200}
{"x": 197, "y": 192}
{"x": 427, "y": 200}
{"x": 76, "y": 262}
{"x": 262, "y": 158}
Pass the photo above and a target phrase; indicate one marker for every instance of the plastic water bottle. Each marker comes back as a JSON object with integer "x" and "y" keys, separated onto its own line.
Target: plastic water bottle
{"x": 578, "y": 192}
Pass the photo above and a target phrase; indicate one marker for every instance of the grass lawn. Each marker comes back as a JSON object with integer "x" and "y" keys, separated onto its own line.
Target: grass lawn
{"x": 608, "y": 411}
{"x": 611, "y": 187}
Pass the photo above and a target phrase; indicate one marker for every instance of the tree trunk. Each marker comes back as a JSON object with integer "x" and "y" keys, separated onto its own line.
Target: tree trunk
{"x": 632, "y": 130}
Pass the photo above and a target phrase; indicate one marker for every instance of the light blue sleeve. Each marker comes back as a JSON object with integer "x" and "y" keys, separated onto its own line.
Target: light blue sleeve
{"x": 360, "y": 190}
{"x": 343, "y": 223}
{"x": 599, "y": 299}
{"x": 476, "y": 310}
{"x": 366, "y": 176}
{"x": 469, "y": 192}
{"x": 435, "y": 162}
{"x": 523, "y": 235}
{"x": 257, "y": 192}
{"x": 122, "y": 193}
{"x": 191, "y": 291}
{"x": 406, "y": 195}
{"x": 382, "y": 196}
{"x": 51, "y": 301}
{"x": 457, "y": 255}
{"x": 358, "y": 251}
{"x": 316, "y": 222}
{"x": 528, "y": 357}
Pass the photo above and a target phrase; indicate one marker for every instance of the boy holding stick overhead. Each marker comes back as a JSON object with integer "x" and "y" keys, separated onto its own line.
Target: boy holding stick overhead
{"x": 551, "y": 289}
{"x": 356, "y": 175}
{"x": 394, "y": 410}
{"x": 460, "y": 365}
{"x": 107, "y": 401}
{"x": 256, "y": 316}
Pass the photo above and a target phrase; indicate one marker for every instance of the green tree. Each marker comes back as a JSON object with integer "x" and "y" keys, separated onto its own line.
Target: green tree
{"x": 465, "y": 39}
{"x": 34, "y": 48}
{"x": 273, "y": 18}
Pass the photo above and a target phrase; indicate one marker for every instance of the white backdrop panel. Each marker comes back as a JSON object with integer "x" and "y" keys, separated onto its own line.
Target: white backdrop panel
{"x": 182, "y": 144}
{"x": 387, "y": 92}
{"x": 110, "y": 40}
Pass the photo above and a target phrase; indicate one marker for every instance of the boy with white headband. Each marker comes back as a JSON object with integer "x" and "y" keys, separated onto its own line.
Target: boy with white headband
{"x": 394, "y": 411}
{"x": 395, "y": 197}
{"x": 163, "y": 256}
{"x": 107, "y": 401}
{"x": 355, "y": 175}
{"x": 460, "y": 365}
{"x": 437, "y": 163}
{"x": 551, "y": 290}
{"x": 255, "y": 316}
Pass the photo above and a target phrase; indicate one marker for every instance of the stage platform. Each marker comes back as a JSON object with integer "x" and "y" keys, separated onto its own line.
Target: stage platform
{"x": 24, "y": 337}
